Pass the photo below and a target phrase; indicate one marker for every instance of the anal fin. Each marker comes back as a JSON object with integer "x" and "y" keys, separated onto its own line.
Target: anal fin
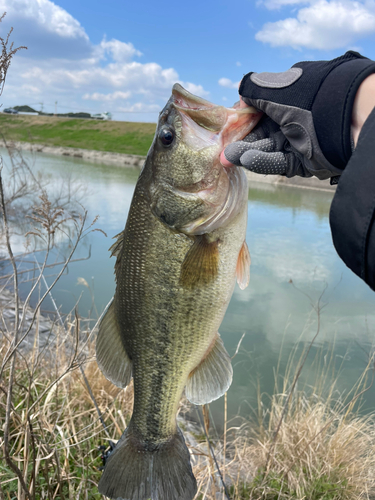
{"x": 243, "y": 267}
{"x": 212, "y": 377}
{"x": 111, "y": 355}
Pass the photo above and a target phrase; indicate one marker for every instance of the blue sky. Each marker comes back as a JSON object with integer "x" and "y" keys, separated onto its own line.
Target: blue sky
{"x": 124, "y": 57}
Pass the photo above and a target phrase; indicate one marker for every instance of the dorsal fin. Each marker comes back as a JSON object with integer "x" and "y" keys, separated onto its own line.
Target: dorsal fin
{"x": 116, "y": 251}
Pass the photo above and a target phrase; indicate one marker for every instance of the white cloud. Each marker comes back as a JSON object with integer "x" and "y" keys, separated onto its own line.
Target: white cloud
{"x": 195, "y": 89}
{"x": 132, "y": 76}
{"x": 278, "y": 4}
{"x": 119, "y": 51}
{"x": 323, "y": 25}
{"x": 45, "y": 28}
{"x": 226, "y": 82}
{"x": 62, "y": 64}
{"x": 141, "y": 107}
{"x": 46, "y": 15}
{"x": 114, "y": 96}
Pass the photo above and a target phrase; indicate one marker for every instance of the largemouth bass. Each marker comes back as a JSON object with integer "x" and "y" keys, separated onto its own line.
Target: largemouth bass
{"x": 177, "y": 262}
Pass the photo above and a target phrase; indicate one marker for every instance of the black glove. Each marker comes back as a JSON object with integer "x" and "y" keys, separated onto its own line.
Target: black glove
{"x": 309, "y": 110}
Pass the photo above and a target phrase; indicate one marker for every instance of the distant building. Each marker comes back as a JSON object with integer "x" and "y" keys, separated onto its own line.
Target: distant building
{"x": 27, "y": 110}
{"x": 102, "y": 116}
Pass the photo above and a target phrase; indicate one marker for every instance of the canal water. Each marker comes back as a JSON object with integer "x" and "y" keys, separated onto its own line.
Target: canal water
{"x": 296, "y": 279}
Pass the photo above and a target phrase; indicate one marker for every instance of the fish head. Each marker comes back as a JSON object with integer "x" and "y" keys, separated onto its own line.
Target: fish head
{"x": 191, "y": 191}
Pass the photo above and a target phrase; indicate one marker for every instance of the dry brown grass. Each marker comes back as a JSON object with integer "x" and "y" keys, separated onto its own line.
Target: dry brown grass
{"x": 54, "y": 428}
{"x": 320, "y": 452}
{"x": 311, "y": 444}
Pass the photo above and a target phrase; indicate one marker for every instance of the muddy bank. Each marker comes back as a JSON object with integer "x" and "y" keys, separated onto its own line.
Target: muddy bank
{"x": 125, "y": 160}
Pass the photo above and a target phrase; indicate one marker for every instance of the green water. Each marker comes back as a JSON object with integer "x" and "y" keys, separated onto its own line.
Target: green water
{"x": 293, "y": 265}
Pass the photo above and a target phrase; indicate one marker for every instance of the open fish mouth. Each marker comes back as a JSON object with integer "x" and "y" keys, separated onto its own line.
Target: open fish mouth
{"x": 205, "y": 124}
{"x": 205, "y": 114}
{"x": 184, "y": 99}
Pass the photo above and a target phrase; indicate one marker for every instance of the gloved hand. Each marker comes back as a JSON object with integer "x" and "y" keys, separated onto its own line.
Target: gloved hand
{"x": 309, "y": 109}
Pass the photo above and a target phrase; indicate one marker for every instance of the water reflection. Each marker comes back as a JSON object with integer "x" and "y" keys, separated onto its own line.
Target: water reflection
{"x": 293, "y": 263}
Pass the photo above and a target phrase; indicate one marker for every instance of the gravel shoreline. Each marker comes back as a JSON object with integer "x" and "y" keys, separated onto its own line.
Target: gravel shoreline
{"x": 136, "y": 161}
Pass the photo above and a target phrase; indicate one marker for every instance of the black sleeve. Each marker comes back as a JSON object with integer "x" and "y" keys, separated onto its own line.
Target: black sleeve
{"x": 352, "y": 212}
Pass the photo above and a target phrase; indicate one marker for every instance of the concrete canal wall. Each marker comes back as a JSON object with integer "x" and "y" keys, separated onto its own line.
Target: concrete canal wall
{"x": 126, "y": 160}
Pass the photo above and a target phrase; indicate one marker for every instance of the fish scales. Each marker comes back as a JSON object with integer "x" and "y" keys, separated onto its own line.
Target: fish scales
{"x": 177, "y": 262}
{"x": 167, "y": 345}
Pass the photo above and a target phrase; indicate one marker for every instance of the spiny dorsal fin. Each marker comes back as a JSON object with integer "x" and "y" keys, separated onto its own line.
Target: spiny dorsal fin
{"x": 212, "y": 377}
{"x": 111, "y": 356}
{"x": 116, "y": 250}
{"x": 243, "y": 267}
{"x": 201, "y": 263}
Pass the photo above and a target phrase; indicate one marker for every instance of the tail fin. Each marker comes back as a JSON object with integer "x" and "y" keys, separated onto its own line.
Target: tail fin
{"x": 136, "y": 471}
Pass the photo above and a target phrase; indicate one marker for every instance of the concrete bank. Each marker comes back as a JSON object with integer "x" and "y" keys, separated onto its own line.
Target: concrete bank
{"x": 121, "y": 160}
{"x": 125, "y": 160}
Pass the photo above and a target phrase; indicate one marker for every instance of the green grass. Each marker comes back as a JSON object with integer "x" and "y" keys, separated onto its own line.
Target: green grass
{"x": 116, "y": 137}
{"x": 324, "y": 487}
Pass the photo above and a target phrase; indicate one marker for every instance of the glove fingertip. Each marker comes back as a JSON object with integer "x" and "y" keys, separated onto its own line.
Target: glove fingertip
{"x": 231, "y": 155}
{"x": 223, "y": 160}
{"x": 264, "y": 163}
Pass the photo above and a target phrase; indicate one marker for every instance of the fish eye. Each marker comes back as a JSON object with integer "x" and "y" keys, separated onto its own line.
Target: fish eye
{"x": 166, "y": 135}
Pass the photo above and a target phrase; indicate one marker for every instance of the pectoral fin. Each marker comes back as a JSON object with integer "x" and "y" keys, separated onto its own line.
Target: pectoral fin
{"x": 201, "y": 263}
{"x": 111, "y": 356}
{"x": 212, "y": 377}
{"x": 243, "y": 267}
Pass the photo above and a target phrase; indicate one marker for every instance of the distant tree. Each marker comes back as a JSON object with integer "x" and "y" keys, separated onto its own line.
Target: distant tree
{"x": 25, "y": 109}
{"x": 81, "y": 114}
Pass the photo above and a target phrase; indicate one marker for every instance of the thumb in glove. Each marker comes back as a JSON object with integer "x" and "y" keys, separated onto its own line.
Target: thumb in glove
{"x": 265, "y": 151}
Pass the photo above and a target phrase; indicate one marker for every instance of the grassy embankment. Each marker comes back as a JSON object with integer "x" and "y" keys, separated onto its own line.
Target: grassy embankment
{"x": 112, "y": 136}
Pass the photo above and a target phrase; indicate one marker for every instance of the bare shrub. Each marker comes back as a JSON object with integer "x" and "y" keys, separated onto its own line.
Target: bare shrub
{"x": 7, "y": 53}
